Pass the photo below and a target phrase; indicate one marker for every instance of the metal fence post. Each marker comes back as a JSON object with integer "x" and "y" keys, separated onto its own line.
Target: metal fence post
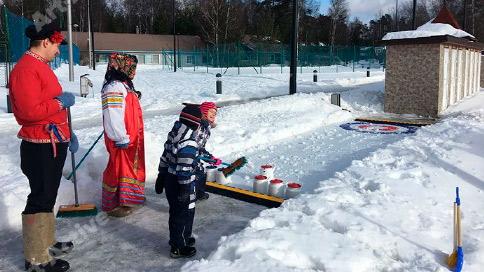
{"x": 9, "y": 104}
{"x": 282, "y": 56}
{"x": 238, "y": 57}
{"x": 301, "y": 57}
{"x": 354, "y": 57}
{"x": 219, "y": 83}
{"x": 207, "y": 57}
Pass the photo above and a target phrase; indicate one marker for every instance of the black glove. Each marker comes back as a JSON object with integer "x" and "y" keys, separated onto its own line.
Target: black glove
{"x": 184, "y": 193}
{"x": 160, "y": 183}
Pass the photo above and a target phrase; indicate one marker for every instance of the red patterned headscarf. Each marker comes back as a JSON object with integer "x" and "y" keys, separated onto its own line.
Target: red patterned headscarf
{"x": 126, "y": 63}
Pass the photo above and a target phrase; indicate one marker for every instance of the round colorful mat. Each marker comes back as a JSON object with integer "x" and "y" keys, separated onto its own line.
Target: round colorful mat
{"x": 379, "y": 128}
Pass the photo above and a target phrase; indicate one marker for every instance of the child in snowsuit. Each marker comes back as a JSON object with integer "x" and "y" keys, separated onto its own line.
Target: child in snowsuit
{"x": 176, "y": 175}
{"x": 209, "y": 112}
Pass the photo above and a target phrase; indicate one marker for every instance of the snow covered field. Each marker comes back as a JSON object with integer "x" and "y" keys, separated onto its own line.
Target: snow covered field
{"x": 371, "y": 202}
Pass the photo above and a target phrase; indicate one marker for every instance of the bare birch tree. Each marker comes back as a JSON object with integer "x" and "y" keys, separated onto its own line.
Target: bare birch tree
{"x": 215, "y": 21}
{"x": 338, "y": 12}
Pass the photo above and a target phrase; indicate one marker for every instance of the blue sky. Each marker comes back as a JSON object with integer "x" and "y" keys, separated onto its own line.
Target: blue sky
{"x": 366, "y": 10}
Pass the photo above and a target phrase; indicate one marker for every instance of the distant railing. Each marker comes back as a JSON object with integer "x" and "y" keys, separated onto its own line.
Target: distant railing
{"x": 262, "y": 55}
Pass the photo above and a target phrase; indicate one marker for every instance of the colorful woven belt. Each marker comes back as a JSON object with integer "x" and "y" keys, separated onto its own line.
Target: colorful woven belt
{"x": 55, "y": 132}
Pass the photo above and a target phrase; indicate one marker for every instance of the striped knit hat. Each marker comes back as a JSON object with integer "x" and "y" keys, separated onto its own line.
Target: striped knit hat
{"x": 205, "y": 106}
{"x": 191, "y": 116}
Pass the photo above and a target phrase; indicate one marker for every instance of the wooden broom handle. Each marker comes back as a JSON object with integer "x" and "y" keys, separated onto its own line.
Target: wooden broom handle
{"x": 459, "y": 230}
{"x": 455, "y": 226}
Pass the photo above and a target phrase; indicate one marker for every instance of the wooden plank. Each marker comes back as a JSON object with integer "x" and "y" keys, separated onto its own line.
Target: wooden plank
{"x": 244, "y": 195}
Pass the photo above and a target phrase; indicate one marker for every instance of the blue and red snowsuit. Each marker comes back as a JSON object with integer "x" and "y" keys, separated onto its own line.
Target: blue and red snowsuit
{"x": 200, "y": 175}
{"x": 177, "y": 165}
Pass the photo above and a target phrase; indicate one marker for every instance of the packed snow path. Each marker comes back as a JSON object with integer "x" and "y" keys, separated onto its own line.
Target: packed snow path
{"x": 139, "y": 242}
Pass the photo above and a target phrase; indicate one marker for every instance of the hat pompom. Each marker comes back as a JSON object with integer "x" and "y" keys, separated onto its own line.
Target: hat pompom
{"x": 191, "y": 116}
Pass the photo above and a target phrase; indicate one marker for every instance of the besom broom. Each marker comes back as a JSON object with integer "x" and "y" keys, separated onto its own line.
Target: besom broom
{"x": 75, "y": 210}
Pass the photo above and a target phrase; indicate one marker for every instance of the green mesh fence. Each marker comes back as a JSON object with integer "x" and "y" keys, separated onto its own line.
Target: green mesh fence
{"x": 4, "y": 64}
{"x": 18, "y": 43}
{"x": 238, "y": 55}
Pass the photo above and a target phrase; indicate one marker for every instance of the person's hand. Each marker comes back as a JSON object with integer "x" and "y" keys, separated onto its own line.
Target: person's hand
{"x": 67, "y": 99}
{"x": 184, "y": 193}
{"x": 160, "y": 183}
{"x": 122, "y": 145}
{"x": 73, "y": 144}
{"x": 216, "y": 161}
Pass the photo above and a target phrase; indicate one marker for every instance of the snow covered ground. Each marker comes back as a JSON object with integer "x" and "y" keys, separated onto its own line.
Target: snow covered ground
{"x": 370, "y": 202}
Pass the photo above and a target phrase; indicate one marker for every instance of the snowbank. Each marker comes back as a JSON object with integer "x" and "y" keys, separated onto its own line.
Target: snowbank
{"x": 428, "y": 29}
{"x": 391, "y": 211}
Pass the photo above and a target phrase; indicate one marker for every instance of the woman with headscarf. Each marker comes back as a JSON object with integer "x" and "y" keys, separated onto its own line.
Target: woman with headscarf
{"x": 124, "y": 176}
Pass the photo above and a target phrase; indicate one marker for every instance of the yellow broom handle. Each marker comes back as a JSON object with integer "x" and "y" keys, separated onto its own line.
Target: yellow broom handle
{"x": 455, "y": 226}
{"x": 459, "y": 230}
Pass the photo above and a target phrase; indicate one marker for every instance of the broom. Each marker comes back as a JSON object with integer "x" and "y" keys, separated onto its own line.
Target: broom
{"x": 452, "y": 258}
{"x": 85, "y": 155}
{"x": 77, "y": 209}
{"x": 236, "y": 165}
{"x": 456, "y": 259}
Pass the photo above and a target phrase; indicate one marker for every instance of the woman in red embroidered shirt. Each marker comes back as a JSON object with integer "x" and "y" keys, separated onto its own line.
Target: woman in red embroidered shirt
{"x": 39, "y": 106}
{"x": 124, "y": 177}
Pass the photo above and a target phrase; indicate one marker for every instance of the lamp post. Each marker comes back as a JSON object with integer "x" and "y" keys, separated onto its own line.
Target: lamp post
{"x": 75, "y": 30}
{"x": 180, "y": 63}
{"x": 413, "y": 15}
{"x": 293, "y": 70}
{"x": 174, "y": 38}
{"x": 92, "y": 57}
{"x": 69, "y": 31}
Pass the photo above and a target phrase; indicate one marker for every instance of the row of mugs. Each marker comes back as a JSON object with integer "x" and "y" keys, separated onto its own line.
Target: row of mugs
{"x": 275, "y": 187}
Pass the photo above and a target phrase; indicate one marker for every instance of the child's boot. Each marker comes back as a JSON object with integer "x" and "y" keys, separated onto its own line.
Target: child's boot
{"x": 191, "y": 241}
{"x": 184, "y": 252}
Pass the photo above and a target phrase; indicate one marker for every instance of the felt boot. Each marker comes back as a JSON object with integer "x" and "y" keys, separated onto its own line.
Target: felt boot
{"x": 36, "y": 242}
{"x": 57, "y": 249}
{"x": 121, "y": 212}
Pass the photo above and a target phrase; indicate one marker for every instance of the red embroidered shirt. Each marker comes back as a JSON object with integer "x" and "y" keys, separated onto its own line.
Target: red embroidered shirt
{"x": 33, "y": 87}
